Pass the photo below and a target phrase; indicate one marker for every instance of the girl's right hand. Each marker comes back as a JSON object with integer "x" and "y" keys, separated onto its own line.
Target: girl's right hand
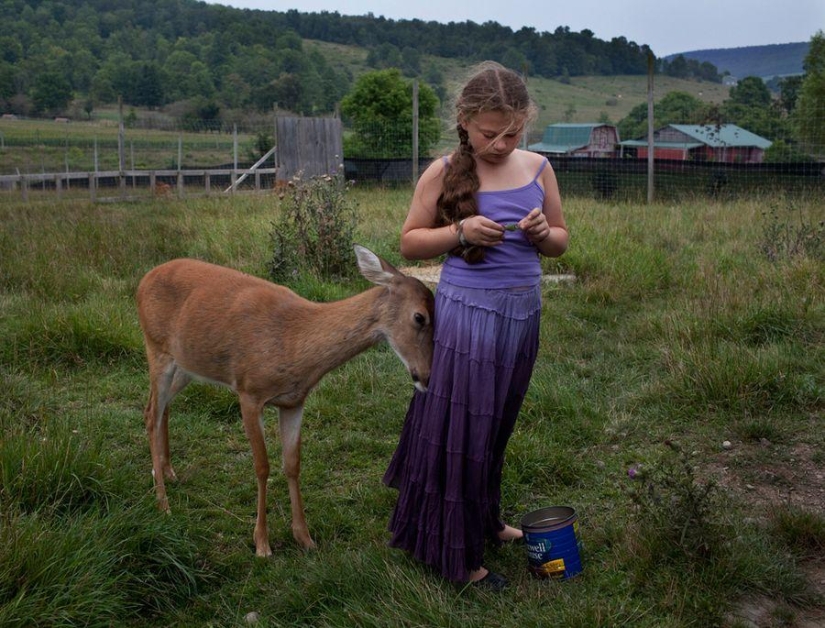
{"x": 535, "y": 226}
{"x": 482, "y": 231}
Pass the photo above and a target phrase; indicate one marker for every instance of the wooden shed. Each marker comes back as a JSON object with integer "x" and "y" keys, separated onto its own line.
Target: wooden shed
{"x": 579, "y": 140}
{"x": 725, "y": 143}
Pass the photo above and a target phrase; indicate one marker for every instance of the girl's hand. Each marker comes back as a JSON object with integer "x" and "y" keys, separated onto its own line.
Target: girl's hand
{"x": 482, "y": 231}
{"x": 534, "y": 225}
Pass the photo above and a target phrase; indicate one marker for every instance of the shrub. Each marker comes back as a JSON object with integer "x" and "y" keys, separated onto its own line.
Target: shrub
{"x": 676, "y": 509}
{"x": 315, "y": 233}
{"x": 784, "y": 237}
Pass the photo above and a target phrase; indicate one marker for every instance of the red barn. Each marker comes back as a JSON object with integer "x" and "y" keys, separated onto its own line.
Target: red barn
{"x": 719, "y": 143}
{"x": 578, "y": 140}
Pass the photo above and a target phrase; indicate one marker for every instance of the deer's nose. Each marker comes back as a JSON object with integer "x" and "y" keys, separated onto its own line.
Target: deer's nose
{"x": 420, "y": 384}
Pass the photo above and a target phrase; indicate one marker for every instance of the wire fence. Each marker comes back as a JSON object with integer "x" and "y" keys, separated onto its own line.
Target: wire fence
{"x": 164, "y": 155}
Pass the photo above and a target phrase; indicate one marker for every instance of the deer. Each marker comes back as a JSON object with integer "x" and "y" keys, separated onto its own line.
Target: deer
{"x": 211, "y": 323}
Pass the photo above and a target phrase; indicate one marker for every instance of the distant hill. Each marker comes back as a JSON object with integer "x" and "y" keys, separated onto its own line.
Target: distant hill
{"x": 763, "y": 61}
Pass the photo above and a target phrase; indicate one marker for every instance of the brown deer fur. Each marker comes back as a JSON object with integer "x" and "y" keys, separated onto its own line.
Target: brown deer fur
{"x": 270, "y": 346}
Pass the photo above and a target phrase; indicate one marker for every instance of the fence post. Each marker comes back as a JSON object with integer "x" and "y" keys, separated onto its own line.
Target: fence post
{"x": 234, "y": 177}
{"x": 180, "y": 166}
{"x": 651, "y": 147}
{"x": 415, "y": 133}
{"x": 121, "y": 147}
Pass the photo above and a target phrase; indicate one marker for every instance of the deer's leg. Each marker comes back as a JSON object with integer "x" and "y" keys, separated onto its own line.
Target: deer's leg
{"x": 180, "y": 379}
{"x": 165, "y": 381}
{"x": 252, "y": 412}
{"x": 160, "y": 377}
{"x": 290, "y": 427}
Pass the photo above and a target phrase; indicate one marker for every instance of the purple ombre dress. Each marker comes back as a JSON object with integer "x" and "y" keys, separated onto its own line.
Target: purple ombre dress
{"x": 448, "y": 463}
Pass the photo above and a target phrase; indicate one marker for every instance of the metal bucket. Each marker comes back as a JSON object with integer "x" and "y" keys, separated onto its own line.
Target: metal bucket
{"x": 551, "y": 536}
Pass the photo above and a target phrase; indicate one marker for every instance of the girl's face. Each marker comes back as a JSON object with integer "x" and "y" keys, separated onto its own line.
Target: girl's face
{"x": 494, "y": 134}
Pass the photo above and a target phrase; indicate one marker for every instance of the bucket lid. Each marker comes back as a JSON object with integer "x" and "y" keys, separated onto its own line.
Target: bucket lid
{"x": 547, "y": 517}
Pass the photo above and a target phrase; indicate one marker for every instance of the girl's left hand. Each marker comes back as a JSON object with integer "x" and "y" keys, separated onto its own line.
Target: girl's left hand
{"x": 534, "y": 225}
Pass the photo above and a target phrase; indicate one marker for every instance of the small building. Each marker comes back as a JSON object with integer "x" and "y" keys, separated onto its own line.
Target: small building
{"x": 726, "y": 143}
{"x": 579, "y": 140}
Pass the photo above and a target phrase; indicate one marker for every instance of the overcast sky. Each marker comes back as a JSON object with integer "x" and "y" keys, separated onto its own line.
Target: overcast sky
{"x": 667, "y": 26}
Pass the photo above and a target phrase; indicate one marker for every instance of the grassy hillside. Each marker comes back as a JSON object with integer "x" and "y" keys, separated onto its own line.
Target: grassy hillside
{"x": 583, "y": 99}
{"x": 589, "y": 98}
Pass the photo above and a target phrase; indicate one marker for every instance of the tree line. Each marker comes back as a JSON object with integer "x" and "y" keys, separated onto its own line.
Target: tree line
{"x": 213, "y": 57}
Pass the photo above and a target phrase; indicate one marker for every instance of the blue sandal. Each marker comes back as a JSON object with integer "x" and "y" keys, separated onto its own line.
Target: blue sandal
{"x": 492, "y": 582}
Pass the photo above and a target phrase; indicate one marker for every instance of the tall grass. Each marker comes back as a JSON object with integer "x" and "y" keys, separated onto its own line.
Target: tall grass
{"x": 683, "y": 325}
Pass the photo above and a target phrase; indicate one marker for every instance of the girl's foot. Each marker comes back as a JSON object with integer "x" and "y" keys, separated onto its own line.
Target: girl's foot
{"x": 488, "y": 580}
{"x": 509, "y": 533}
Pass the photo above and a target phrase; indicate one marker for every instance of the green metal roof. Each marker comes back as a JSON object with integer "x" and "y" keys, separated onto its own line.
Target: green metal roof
{"x": 563, "y": 138}
{"x": 715, "y": 136}
{"x": 719, "y": 136}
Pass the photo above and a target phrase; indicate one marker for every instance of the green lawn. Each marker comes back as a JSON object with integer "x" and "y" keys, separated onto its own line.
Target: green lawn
{"x": 687, "y": 325}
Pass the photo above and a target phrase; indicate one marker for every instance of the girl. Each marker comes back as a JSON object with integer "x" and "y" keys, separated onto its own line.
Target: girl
{"x": 494, "y": 209}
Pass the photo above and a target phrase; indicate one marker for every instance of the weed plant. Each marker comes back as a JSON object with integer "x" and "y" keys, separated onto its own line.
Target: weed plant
{"x": 314, "y": 234}
{"x": 788, "y": 233}
{"x": 678, "y": 327}
{"x": 675, "y": 510}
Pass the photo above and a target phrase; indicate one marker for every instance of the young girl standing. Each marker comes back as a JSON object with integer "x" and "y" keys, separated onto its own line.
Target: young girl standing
{"x": 494, "y": 209}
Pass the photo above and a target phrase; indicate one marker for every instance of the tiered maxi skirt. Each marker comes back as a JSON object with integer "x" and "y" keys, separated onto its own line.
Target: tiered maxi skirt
{"x": 448, "y": 463}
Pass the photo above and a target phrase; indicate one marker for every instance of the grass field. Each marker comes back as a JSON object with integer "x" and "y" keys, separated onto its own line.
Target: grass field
{"x": 687, "y": 326}
{"x": 35, "y": 146}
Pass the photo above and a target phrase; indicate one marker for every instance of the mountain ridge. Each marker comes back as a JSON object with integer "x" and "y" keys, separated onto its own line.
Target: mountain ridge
{"x": 766, "y": 61}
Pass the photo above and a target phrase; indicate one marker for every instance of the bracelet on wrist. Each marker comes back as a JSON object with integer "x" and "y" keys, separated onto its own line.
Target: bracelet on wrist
{"x": 462, "y": 239}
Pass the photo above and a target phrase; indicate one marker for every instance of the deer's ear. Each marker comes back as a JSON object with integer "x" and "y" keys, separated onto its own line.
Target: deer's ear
{"x": 375, "y": 269}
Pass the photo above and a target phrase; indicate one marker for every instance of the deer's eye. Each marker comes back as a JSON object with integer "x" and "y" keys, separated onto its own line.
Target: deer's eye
{"x": 419, "y": 319}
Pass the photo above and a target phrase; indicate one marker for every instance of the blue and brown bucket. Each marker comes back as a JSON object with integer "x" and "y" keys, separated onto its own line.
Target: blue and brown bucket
{"x": 553, "y": 545}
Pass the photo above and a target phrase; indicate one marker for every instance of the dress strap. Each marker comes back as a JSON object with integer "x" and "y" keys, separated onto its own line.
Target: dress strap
{"x": 543, "y": 165}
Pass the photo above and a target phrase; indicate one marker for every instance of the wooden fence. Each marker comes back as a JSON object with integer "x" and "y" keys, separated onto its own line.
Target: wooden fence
{"x": 128, "y": 182}
{"x": 304, "y": 147}
{"x": 308, "y": 147}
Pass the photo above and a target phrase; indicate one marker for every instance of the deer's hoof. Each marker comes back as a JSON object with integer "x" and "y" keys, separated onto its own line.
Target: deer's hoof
{"x": 263, "y": 552}
{"x": 305, "y": 541}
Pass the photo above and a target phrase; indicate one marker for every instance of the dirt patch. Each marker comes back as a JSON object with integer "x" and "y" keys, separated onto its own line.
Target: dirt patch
{"x": 431, "y": 274}
{"x": 767, "y": 477}
{"x": 427, "y": 274}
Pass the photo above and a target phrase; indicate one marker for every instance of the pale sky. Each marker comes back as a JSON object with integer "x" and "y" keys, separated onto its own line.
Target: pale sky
{"x": 667, "y": 26}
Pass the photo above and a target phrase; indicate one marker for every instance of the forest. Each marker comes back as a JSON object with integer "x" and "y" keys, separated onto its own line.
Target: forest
{"x": 151, "y": 54}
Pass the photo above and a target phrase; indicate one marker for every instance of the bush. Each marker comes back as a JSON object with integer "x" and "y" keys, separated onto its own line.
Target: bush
{"x": 787, "y": 234}
{"x": 315, "y": 233}
{"x": 676, "y": 509}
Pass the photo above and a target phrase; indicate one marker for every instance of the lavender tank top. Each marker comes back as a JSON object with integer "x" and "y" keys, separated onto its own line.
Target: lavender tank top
{"x": 515, "y": 262}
